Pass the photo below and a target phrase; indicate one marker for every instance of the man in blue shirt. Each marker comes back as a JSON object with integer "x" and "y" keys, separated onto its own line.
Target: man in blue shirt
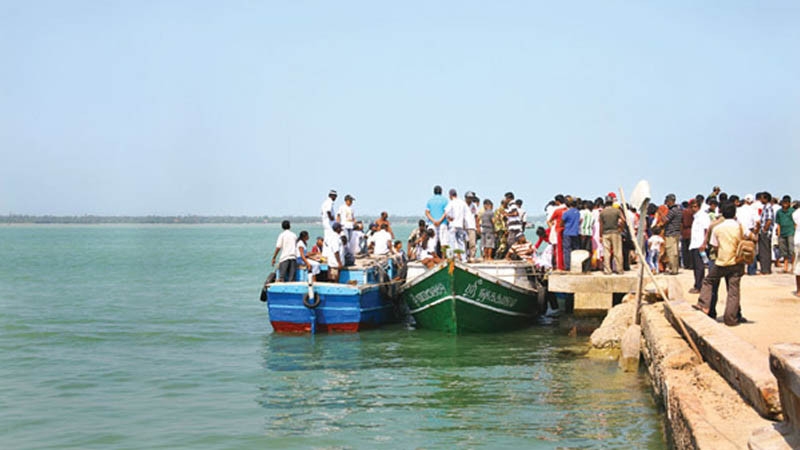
{"x": 572, "y": 231}
{"x": 434, "y": 211}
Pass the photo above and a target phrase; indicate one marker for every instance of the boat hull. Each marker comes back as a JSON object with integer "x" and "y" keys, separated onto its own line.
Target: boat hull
{"x": 455, "y": 298}
{"x": 342, "y": 307}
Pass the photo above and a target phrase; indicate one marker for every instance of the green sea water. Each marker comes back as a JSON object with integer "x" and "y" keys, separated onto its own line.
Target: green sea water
{"x": 129, "y": 337}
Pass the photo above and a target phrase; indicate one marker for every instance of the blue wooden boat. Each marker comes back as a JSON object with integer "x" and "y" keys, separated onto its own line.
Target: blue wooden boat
{"x": 366, "y": 297}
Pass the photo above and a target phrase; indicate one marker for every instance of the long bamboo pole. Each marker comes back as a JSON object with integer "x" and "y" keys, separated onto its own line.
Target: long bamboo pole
{"x": 655, "y": 282}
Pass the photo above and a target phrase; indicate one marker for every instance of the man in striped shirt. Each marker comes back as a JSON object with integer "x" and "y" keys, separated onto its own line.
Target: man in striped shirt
{"x": 765, "y": 234}
{"x": 513, "y": 219}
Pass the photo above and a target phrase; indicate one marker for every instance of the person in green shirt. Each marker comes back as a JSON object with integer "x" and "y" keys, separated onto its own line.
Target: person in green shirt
{"x": 785, "y": 231}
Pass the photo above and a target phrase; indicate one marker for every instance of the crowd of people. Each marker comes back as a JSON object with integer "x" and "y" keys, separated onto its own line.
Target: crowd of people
{"x": 697, "y": 234}
{"x": 344, "y": 239}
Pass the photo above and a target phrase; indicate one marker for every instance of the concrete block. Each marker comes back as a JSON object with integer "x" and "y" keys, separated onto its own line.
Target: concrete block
{"x": 592, "y": 303}
{"x": 784, "y": 361}
{"x": 743, "y": 366}
{"x": 594, "y": 282}
{"x": 629, "y": 359}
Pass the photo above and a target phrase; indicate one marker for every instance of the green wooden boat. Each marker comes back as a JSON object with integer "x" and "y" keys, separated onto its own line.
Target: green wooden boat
{"x": 471, "y": 298}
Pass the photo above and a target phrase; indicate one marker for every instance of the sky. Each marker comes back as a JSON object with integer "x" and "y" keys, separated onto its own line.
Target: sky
{"x": 259, "y": 107}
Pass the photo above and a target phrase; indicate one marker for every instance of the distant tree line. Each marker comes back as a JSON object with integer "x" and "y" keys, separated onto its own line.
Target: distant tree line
{"x": 187, "y": 219}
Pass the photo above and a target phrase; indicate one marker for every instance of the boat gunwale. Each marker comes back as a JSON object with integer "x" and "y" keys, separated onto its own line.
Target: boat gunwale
{"x": 476, "y": 272}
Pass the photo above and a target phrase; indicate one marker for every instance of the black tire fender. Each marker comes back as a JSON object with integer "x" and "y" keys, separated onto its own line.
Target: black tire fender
{"x": 311, "y": 304}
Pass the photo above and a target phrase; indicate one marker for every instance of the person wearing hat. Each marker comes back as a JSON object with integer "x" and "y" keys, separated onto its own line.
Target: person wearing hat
{"x": 333, "y": 252}
{"x": 327, "y": 210}
{"x": 346, "y": 216}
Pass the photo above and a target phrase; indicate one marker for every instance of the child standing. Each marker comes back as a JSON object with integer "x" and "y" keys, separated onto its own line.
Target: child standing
{"x": 655, "y": 243}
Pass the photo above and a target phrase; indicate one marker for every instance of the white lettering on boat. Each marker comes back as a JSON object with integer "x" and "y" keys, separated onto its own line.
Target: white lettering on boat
{"x": 488, "y": 296}
{"x": 429, "y": 293}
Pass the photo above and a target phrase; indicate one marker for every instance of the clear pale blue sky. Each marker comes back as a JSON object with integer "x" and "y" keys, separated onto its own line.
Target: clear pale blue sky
{"x": 250, "y": 107}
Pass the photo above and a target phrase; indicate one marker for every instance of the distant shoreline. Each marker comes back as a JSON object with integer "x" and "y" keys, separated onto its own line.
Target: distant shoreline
{"x": 21, "y": 219}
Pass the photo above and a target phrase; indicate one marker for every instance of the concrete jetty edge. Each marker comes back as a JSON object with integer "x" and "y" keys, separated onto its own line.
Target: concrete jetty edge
{"x": 702, "y": 410}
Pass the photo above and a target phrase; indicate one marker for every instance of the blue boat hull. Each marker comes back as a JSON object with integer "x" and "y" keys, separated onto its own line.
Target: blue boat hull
{"x": 342, "y": 307}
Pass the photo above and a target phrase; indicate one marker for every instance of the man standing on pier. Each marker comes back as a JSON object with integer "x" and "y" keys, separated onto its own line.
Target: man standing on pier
{"x": 610, "y": 221}
{"x": 672, "y": 232}
{"x": 765, "y": 233}
{"x": 725, "y": 237}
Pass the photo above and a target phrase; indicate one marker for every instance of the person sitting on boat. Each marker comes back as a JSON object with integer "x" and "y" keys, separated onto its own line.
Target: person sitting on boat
{"x": 385, "y": 220}
{"x": 332, "y": 251}
{"x": 426, "y": 251}
{"x": 415, "y": 235}
{"x": 316, "y": 251}
{"x": 380, "y": 243}
{"x": 302, "y": 256}
{"x": 358, "y": 241}
{"x": 521, "y": 250}
{"x": 286, "y": 243}
{"x": 349, "y": 254}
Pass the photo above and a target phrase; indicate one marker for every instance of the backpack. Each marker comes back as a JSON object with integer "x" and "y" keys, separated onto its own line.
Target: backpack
{"x": 746, "y": 250}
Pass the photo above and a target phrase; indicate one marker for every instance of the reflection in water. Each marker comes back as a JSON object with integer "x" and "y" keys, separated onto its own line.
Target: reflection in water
{"x": 427, "y": 389}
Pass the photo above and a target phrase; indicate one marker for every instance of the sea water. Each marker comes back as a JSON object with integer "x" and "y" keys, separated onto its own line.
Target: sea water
{"x": 152, "y": 336}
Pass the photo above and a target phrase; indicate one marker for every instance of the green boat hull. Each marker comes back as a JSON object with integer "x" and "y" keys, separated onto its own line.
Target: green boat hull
{"x": 457, "y": 299}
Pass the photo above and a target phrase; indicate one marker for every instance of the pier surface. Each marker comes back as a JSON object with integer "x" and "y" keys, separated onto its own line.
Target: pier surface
{"x": 736, "y": 359}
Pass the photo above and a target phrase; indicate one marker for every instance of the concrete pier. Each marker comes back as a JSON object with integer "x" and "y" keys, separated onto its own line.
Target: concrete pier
{"x": 749, "y": 379}
{"x": 593, "y": 292}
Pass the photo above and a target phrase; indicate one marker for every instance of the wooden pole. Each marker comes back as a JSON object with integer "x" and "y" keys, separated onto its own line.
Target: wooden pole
{"x": 640, "y": 240}
{"x": 655, "y": 282}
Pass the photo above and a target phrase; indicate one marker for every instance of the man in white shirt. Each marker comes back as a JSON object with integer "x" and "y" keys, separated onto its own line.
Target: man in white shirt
{"x": 381, "y": 242}
{"x": 700, "y": 225}
{"x": 327, "y": 210}
{"x": 346, "y": 216}
{"x": 332, "y": 251}
{"x": 456, "y": 212}
{"x": 286, "y": 244}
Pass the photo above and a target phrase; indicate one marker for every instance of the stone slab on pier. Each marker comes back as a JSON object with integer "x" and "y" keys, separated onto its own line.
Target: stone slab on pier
{"x": 745, "y": 367}
{"x": 593, "y": 292}
{"x": 785, "y": 365}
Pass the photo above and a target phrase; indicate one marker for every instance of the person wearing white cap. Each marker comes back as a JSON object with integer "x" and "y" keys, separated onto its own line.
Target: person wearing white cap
{"x": 327, "y": 210}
